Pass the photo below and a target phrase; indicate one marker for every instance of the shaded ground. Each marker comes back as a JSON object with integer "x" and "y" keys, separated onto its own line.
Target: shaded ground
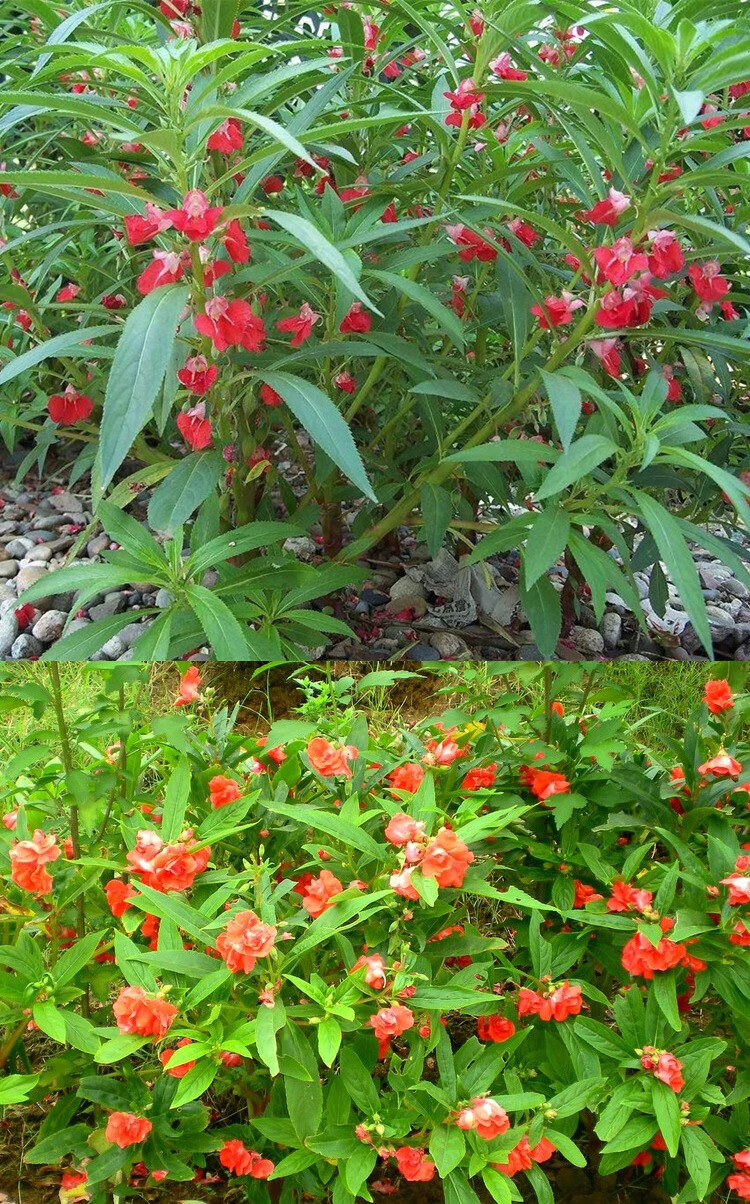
{"x": 410, "y": 607}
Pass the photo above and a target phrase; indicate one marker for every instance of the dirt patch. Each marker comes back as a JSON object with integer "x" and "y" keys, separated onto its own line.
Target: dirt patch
{"x": 274, "y": 693}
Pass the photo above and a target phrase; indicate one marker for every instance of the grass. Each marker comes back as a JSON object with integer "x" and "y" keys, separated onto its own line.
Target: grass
{"x": 660, "y": 695}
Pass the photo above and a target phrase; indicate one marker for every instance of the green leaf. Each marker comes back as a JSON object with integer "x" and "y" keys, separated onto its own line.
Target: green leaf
{"x": 119, "y": 1047}
{"x": 513, "y": 451}
{"x": 458, "y": 1190}
{"x": 667, "y": 1113}
{"x": 689, "y": 104}
{"x": 50, "y": 1020}
{"x": 304, "y": 1100}
{"x": 54, "y": 1147}
{"x": 265, "y": 1035}
{"x": 544, "y": 612}
{"x": 243, "y": 539}
{"x": 62, "y": 182}
{"x": 712, "y": 231}
{"x": 185, "y": 488}
{"x": 437, "y": 511}
{"x": 582, "y": 456}
{"x": 447, "y": 1148}
{"x": 316, "y": 244}
{"x": 217, "y": 19}
{"x": 497, "y": 1185}
{"x": 565, "y": 399}
{"x": 133, "y": 536}
{"x": 223, "y": 632}
{"x": 57, "y": 346}
{"x": 86, "y": 580}
{"x": 347, "y": 833}
{"x": 675, "y": 553}
{"x": 15, "y": 1088}
{"x": 329, "y": 1040}
{"x": 171, "y": 907}
{"x": 545, "y": 543}
{"x": 696, "y": 1159}
{"x": 323, "y": 422}
{"x": 138, "y": 369}
{"x": 197, "y": 1080}
{"x": 175, "y": 801}
{"x": 358, "y": 1082}
{"x": 665, "y": 993}
{"x": 444, "y": 317}
{"x": 75, "y": 958}
{"x": 80, "y": 645}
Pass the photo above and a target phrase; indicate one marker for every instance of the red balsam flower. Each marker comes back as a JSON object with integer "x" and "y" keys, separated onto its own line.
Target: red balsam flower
{"x": 244, "y": 940}
{"x": 125, "y": 1129}
{"x": 28, "y": 861}
{"x": 69, "y": 407}
{"x": 235, "y": 1157}
{"x": 137, "y": 1013}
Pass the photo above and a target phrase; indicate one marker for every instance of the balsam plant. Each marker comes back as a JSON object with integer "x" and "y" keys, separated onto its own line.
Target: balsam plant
{"x": 320, "y": 959}
{"x": 488, "y": 263}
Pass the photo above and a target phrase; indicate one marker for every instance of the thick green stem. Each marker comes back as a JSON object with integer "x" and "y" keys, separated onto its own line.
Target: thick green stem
{"x": 446, "y": 468}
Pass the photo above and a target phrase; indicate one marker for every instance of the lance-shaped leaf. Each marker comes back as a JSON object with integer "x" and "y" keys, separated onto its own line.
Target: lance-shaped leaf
{"x": 323, "y": 422}
{"x": 140, "y": 363}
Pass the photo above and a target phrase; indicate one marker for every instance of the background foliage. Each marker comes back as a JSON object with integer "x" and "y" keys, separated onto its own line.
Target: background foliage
{"x": 554, "y": 811}
{"x": 495, "y": 277}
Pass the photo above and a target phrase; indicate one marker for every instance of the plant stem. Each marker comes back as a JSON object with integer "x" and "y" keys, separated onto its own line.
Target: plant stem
{"x": 75, "y": 832}
{"x": 7, "y": 1048}
{"x": 442, "y": 471}
{"x": 547, "y": 673}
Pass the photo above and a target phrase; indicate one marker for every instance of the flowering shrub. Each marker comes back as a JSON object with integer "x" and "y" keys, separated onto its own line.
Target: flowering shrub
{"x": 490, "y": 262}
{"x": 333, "y": 956}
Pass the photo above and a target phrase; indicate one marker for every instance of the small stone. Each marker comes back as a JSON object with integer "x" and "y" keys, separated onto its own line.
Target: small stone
{"x": 450, "y": 647}
{"x": 39, "y": 554}
{"x": 97, "y": 545}
{"x": 530, "y": 652}
{"x": 590, "y": 643}
{"x": 405, "y": 588}
{"x": 132, "y": 632}
{"x": 720, "y": 623}
{"x": 373, "y": 598}
{"x": 17, "y": 548}
{"x": 113, "y": 649}
{"x": 49, "y": 627}
{"x": 422, "y": 652}
{"x": 8, "y": 568}
{"x": 28, "y": 575}
{"x": 302, "y": 547}
{"x": 163, "y": 599}
{"x": 8, "y": 632}
{"x": 112, "y": 605}
{"x": 44, "y": 523}
{"x": 26, "y": 648}
{"x": 611, "y": 630}
{"x": 66, "y": 503}
{"x": 691, "y": 641}
{"x": 736, "y": 588}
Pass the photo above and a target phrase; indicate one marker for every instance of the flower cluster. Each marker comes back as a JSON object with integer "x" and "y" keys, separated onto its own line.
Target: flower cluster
{"x": 411, "y": 949}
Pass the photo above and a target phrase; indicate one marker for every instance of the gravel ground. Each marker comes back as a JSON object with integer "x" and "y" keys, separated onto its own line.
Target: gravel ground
{"x": 411, "y": 608}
